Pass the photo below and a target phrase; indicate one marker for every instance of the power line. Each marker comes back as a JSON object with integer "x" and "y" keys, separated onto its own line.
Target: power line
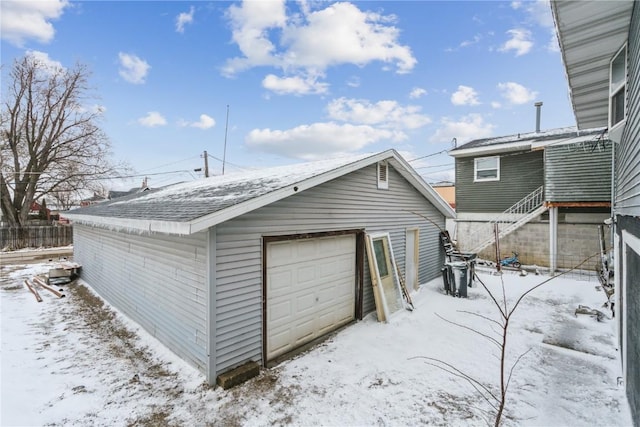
{"x": 227, "y": 162}
{"x": 172, "y": 163}
{"x": 435, "y": 166}
{"x": 428, "y": 155}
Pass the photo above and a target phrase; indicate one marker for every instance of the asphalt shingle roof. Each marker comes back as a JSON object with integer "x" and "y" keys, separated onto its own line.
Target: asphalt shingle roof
{"x": 188, "y": 201}
{"x": 530, "y": 137}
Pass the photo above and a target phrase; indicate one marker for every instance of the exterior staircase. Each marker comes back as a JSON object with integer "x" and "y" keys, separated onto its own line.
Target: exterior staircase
{"x": 530, "y": 207}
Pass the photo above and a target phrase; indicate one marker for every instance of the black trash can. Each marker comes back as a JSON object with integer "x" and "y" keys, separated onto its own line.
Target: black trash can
{"x": 471, "y": 259}
{"x": 459, "y": 278}
{"x": 445, "y": 279}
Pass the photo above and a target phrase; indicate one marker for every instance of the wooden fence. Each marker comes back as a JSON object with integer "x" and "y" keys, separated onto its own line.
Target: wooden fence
{"x": 47, "y": 236}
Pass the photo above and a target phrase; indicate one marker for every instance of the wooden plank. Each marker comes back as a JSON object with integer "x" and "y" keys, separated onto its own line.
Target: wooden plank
{"x": 33, "y": 290}
{"x": 578, "y": 204}
{"x": 43, "y": 285}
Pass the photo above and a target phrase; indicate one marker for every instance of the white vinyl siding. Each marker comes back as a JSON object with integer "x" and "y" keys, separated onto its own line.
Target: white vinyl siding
{"x": 347, "y": 203}
{"x": 158, "y": 281}
{"x": 486, "y": 169}
{"x": 627, "y": 191}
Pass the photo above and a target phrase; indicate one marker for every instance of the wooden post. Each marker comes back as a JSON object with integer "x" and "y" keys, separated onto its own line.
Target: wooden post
{"x": 497, "y": 237}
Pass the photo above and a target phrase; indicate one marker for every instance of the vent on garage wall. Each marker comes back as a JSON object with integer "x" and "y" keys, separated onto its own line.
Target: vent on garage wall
{"x": 383, "y": 176}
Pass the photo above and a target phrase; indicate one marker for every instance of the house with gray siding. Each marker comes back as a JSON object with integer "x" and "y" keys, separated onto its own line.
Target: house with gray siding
{"x": 600, "y": 45}
{"x": 251, "y": 266}
{"x": 546, "y": 191}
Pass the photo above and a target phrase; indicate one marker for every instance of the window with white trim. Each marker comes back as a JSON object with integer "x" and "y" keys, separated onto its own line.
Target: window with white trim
{"x": 617, "y": 88}
{"x": 486, "y": 169}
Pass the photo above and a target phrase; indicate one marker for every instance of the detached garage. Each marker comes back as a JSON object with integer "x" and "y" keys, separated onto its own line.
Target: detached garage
{"x": 251, "y": 266}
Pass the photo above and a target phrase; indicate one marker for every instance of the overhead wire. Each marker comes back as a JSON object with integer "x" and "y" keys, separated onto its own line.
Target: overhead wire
{"x": 171, "y": 163}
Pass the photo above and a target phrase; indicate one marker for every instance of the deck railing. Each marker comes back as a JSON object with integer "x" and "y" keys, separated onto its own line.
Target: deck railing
{"x": 511, "y": 219}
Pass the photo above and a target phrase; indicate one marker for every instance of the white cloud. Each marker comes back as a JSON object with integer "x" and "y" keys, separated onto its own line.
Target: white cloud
{"x": 25, "y": 20}
{"x": 307, "y": 43}
{"x": 343, "y": 34}
{"x": 553, "y": 45}
{"x": 495, "y": 104}
{"x": 295, "y": 85}
{"x": 385, "y": 114}
{"x": 466, "y": 129}
{"x": 318, "y": 140}
{"x": 132, "y": 68}
{"x": 152, "y": 119}
{"x": 538, "y": 11}
{"x": 250, "y": 24}
{"x": 465, "y": 95}
{"x": 520, "y": 42}
{"x": 183, "y": 19}
{"x": 45, "y": 64}
{"x": 516, "y": 93}
{"x": 476, "y": 39}
{"x": 354, "y": 81}
{"x": 417, "y": 92}
{"x": 205, "y": 122}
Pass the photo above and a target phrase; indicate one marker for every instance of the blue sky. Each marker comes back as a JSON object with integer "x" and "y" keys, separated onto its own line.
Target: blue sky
{"x": 303, "y": 80}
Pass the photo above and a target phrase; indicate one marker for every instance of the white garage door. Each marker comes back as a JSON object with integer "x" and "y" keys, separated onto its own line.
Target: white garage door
{"x": 310, "y": 290}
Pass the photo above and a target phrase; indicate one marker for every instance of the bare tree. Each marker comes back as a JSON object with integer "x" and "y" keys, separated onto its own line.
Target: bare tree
{"x": 497, "y": 401}
{"x": 50, "y": 141}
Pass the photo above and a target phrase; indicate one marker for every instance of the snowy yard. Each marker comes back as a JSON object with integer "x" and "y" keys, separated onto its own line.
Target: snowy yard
{"x": 77, "y": 361}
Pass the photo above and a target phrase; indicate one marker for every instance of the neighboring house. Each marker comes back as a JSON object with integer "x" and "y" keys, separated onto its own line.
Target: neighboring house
{"x": 96, "y": 198}
{"x": 446, "y": 190}
{"x": 600, "y": 45}
{"x": 251, "y": 266}
{"x": 115, "y": 194}
{"x": 547, "y": 191}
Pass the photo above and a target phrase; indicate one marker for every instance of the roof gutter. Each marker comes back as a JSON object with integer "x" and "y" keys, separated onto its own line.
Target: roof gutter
{"x": 133, "y": 225}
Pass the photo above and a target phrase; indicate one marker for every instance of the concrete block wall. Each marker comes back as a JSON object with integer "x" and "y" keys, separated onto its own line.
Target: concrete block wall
{"x": 576, "y": 242}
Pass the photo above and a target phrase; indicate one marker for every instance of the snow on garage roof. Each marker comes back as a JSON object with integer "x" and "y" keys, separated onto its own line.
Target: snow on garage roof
{"x": 190, "y": 207}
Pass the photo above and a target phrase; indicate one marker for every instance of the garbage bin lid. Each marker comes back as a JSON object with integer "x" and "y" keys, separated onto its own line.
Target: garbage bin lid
{"x": 458, "y": 264}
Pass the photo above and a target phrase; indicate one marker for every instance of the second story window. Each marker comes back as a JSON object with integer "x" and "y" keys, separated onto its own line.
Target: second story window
{"x": 617, "y": 88}
{"x": 486, "y": 169}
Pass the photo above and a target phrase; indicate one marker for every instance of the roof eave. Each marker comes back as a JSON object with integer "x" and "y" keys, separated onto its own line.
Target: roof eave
{"x": 133, "y": 225}
{"x": 491, "y": 149}
{"x": 589, "y": 35}
{"x": 425, "y": 189}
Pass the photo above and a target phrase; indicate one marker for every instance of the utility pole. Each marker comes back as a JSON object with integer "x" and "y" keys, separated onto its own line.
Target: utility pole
{"x": 224, "y": 155}
{"x": 206, "y": 164}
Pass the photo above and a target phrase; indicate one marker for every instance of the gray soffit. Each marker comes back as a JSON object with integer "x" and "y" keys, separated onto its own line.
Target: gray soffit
{"x": 195, "y": 206}
{"x": 590, "y": 33}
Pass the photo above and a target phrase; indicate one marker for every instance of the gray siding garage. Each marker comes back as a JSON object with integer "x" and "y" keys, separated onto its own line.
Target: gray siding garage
{"x": 249, "y": 267}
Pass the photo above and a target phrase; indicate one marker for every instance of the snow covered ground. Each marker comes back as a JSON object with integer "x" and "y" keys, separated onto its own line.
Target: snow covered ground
{"x": 77, "y": 361}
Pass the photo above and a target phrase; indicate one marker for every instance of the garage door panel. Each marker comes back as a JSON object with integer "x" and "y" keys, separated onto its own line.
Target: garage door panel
{"x": 305, "y": 304}
{"x": 281, "y": 341}
{"x": 282, "y": 281}
{"x": 305, "y": 275}
{"x": 280, "y": 310}
{"x": 318, "y": 282}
